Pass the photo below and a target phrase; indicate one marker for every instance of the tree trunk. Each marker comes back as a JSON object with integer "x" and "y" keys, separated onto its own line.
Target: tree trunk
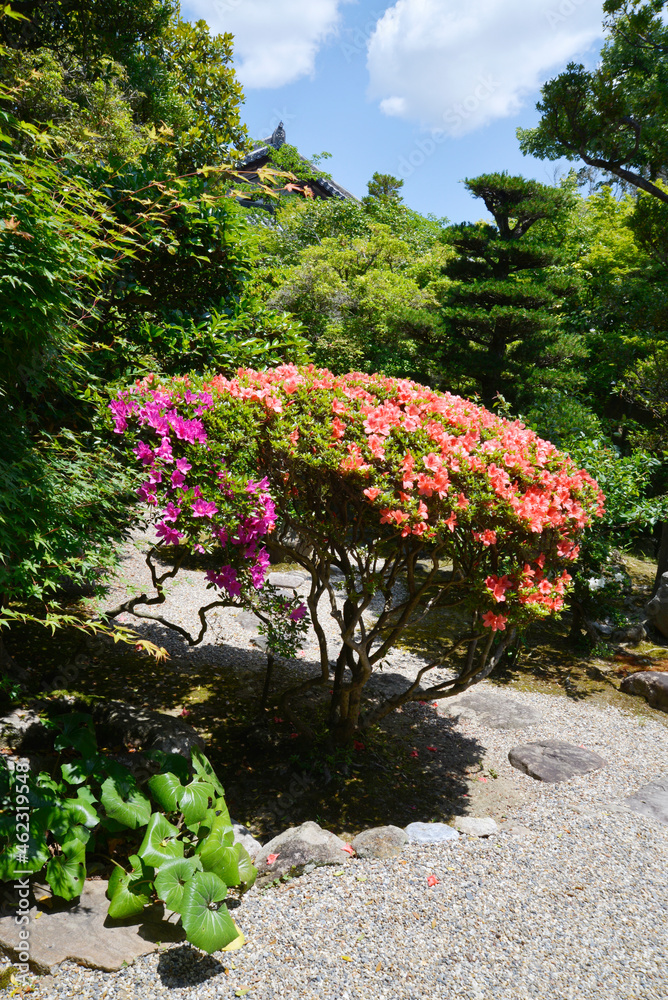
{"x": 662, "y": 566}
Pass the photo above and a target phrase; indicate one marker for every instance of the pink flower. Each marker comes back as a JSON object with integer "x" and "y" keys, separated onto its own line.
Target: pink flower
{"x": 432, "y": 881}
{"x": 348, "y": 848}
{"x": 414, "y": 753}
{"x": 298, "y": 613}
{"x": 495, "y": 622}
{"x": 272, "y": 858}
{"x": 372, "y": 493}
{"x": 204, "y": 508}
{"x": 487, "y": 537}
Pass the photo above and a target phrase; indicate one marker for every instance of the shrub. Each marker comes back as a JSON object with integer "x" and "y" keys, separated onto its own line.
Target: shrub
{"x": 421, "y": 499}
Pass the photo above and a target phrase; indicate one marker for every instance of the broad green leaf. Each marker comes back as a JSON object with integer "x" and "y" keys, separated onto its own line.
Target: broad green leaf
{"x": 125, "y": 802}
{"x": 76, "y": 731}
{"x": 194, "y": 800}
{"x": 170, "y": 763}
{"x": 78, "y": 771}
{"x": 203, "y": 768}
{"x": 247, "y": 870}
{"x": 66, "y": 873}
{"x": 172, "y": 878}
{"x": 161, "y": 841}
{"x": 131, "y": 891}
{"x": 218, "y": 818}
{"x": 207, "y": 926}
{"x": 12, "y": 860}
{"x": 166, "y": 789}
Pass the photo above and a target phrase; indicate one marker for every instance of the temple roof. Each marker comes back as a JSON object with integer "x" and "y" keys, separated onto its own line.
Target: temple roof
{"x": 258, "y": 157}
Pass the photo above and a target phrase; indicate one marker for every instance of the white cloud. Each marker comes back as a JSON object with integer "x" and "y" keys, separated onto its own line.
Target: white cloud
{"x": 276, "y": 41}
{"x": 456, "y": 65}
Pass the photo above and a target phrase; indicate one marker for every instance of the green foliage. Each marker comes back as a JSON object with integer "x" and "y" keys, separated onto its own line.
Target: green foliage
{"x": 613, "y": 117}
{"x": 504, "y": 330}
{"x": 185, "y": 853}
{"x": 385, "y": 186}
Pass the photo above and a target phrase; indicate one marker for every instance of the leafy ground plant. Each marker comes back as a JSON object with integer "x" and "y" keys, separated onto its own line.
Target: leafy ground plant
{"x": 175, "y": 825}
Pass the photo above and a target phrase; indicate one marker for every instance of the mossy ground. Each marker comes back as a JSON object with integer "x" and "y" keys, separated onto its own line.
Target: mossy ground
{"x": 274, "y": 779}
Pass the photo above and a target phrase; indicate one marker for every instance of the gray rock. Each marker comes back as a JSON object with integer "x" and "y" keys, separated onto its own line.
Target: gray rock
{"x": 603, "y": 628}
{"x": 430, "y": 833}
{"x": 657, "y": 609}
{"x": 288, "y": 580}
{"x": 243, "y": 836}
{"x": 23, "y": 730}
{"x": 494, "y": 709}
{"x": 554, "y": 760}
{"x": 248, "y": 621}
{"x": 145, "y": 728}
{"x": 380, "y": 842}
{"x": 630, "y": 634}
{"x": 651, "y": 800}
{"x": 300, "y": 847}
{"x": 81, "y": 932}
{"x": 476, "y": 826}
{"x": 651, "y": 684}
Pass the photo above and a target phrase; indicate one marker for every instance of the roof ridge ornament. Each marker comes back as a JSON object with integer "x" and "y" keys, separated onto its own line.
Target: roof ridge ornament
{"x": 278, "y": 136}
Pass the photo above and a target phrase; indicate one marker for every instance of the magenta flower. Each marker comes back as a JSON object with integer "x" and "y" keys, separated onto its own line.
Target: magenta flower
{"x": 170, "y": 536}
{"x": 298, "y": 613}
{"x": 178, "y": 479}
{"x": 204, "y": 508}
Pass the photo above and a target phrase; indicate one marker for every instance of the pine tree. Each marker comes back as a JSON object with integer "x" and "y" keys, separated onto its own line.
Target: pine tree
{"x": 504, "y": 327}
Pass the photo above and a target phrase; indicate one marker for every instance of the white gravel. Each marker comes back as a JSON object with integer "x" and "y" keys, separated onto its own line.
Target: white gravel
{"x": 573, "y": 908}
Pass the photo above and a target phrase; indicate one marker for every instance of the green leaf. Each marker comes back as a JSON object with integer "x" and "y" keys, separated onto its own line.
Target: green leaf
{"x": 36, "y": 856}
{"x": 173, "y": 877}
{"x": 166, "y": 790}
{"x": 230, "y": 862}
{"x": 203, "y": 768}
{"x": 161, "y": 841}
{"x": 78, "y": 771}
{"x": 207, "y": 926}
{"x": 66, "y": 872}
{"x": 124, "y": 802}
{"x": 247, "y": 870}
{"x": 76, "y": 731}
{"x": 131, "y": 891}
{"x": 194, "y": 800}
{"x": 218, "y": 818}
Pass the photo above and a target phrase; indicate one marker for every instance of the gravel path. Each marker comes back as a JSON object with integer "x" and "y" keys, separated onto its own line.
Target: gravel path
{"x": 568, "y": 902}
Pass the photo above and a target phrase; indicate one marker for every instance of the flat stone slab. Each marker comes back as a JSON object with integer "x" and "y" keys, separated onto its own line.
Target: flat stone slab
{"x": 651, "y": 800}
{"x": 476, "y": 826}
{"x": 380, "y": 842}
{"x": 288, "y": 580}
{"x": 430, "y": 833}
{"x": 298, "y": 850}
{"x": 651, "y": 684}
{"x": 83, "y": 933}
{"x": 554, "y": 760}
{"x": 492, "y": 708}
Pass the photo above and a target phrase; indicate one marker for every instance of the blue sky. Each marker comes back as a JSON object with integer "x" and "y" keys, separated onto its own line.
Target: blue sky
{"x": 429, "y": 90}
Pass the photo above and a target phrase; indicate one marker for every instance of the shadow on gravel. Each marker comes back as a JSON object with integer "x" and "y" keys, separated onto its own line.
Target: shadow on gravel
{"x": 414, "y": 766}
{"x": 182, "y": 967}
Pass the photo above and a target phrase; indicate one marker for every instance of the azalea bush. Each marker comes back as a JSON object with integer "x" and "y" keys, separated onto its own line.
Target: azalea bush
{"x": 421, "y": 499}
{"x": 174, "y": 824}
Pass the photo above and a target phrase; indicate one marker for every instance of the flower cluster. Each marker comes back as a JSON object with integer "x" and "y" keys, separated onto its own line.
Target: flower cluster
{"x": 423, "y": 467}
{"x": 209, "y": 510}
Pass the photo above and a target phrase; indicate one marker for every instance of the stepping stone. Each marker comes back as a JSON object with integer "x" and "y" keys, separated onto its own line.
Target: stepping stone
{"x": 430, "y": 833}
{"x": 554, "y": 760}
{"x": 81, "y": 932}
{"x": 380, "y": 842}
{"x": 300, "y": 849}
{"x": 651, "y": 684}
{"x": 243, "y": 836}
{"x": 492, "y": 708}
{"x": 651, "y": 800}
{"x": 287, "y": 580}
{"x": 476, "y": 826}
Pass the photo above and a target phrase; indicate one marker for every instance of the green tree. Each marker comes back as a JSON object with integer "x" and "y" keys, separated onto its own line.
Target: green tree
{"x": 384, "y": 186}
{"x": 504, "y": 330}
{"x": 614, "y": 117}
